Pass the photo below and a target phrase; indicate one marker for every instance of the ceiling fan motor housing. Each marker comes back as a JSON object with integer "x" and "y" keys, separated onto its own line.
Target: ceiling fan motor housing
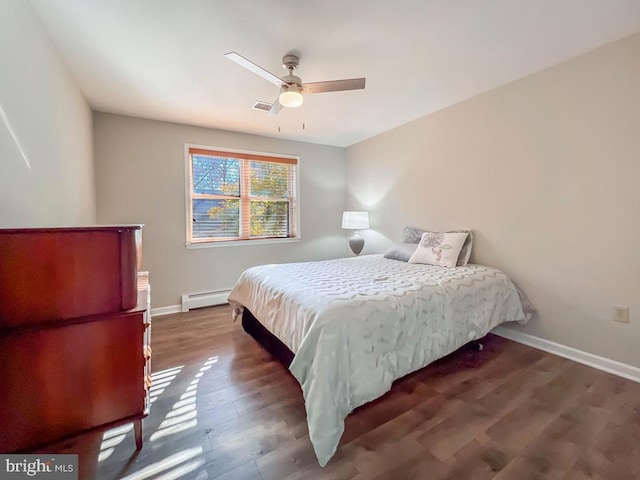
{"x": 290, "y": 62}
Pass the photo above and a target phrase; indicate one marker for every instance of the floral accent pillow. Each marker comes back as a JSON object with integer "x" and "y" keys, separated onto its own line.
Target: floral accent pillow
{"x": 414, "y": 235}
{"x": 437, "y": 248}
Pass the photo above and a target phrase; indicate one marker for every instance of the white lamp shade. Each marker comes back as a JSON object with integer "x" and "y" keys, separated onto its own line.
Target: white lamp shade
{"x": 355, "y": 220}
{"x": 290, "y": 96}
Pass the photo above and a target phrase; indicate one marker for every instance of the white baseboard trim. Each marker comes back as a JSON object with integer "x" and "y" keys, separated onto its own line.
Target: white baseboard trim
{"x": 197, "y": 300}
{"x": 601, "y": 363}
{"x": 168, "y": 310}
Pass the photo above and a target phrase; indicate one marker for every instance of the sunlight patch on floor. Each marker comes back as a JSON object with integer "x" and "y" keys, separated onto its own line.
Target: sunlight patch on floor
{"x": 172, "y": 430}
{"x": 173, "y": 371}
{"x": 112, "y": 438}
{"x": 185, "y": 400}
{"x": 182, "y": 470}
{"x": 181, "y": 409}
{"x": 183, "y": 414}
{"x": 161, "y": 380}
{"x": 115, "y": 432}
{"x": 167, "y": 464}
{"x": 105, "y": 453}
{"x": 112, "y": 442}
{"x": 171, "y": 421}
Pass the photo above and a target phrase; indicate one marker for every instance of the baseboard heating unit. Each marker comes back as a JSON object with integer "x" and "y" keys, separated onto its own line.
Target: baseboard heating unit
{"x": 205, "y": 299}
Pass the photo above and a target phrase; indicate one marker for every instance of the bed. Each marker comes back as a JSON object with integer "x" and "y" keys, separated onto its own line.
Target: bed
{"x": 355, "y": 325}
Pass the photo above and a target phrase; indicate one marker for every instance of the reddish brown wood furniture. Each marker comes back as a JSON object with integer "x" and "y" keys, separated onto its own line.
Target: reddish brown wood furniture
{"x": 74, "y": 333}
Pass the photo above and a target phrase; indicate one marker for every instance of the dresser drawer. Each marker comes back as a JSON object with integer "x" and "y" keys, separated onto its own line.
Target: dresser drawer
{"x": 55, "y": 274}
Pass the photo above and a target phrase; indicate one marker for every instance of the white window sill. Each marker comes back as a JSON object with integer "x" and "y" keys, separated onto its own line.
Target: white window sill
{"x": 240, "y": 243}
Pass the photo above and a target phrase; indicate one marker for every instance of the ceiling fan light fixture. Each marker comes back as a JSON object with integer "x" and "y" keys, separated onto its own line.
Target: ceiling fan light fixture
{"x": 291, "y": 86}
{"x": 290, "y": 96}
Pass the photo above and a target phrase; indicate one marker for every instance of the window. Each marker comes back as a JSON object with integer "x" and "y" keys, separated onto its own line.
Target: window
{"x": 240, "y": 196}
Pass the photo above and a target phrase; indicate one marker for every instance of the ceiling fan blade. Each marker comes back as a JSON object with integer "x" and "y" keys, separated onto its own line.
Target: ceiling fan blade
{"x": 334, "y": 85}
{"x": 249, "y": 65}
{"x": 276, "y": 107}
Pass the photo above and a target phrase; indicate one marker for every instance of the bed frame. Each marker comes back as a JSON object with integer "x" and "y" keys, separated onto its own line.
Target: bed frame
{"x": 264, "y": 337}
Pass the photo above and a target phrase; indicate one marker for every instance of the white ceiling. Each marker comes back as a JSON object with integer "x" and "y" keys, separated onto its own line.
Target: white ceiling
{"x": 163, "y": 59}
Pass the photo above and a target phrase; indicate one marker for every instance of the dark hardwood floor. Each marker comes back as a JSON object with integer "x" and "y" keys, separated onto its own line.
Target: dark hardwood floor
{"x": 223, "y": 408}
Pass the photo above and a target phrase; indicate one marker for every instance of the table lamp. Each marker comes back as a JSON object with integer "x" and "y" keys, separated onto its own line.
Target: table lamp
{"x": 355, "y": 221}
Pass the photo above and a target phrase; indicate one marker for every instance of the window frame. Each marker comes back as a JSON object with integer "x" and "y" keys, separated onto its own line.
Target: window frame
{"x": 246, "y": 155}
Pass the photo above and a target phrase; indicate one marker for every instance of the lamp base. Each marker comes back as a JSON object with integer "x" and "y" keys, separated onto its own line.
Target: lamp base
{"x": 356, "y": 243}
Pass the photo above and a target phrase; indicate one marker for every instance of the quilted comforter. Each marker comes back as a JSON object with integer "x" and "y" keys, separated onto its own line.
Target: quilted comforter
{"x": 357, "y": 324}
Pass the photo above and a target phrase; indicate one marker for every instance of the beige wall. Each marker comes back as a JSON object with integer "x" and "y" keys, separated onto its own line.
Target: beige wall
{"x": 546, "y": 171}
{"x": 140, "y": 167}
{"x": 51, "y": 181}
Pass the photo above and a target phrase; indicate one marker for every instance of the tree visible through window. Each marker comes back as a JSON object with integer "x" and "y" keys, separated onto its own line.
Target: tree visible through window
{"x": 239, "y": 196}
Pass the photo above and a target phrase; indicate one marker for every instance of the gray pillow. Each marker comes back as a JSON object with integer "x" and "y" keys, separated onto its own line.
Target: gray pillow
{"x": 414, "y": 234}
{"x": 401, "y": 251}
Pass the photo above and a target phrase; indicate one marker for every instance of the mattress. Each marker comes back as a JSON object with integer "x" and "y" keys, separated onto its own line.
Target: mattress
{"x": 357, "y": 324}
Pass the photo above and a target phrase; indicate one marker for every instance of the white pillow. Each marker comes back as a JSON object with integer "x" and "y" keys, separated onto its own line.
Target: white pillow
{"x": 437, "y": 248}
{"x": 414, "y": 234}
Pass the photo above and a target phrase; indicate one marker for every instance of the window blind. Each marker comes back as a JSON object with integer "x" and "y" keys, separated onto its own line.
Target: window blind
{"x": 241, "y": 196}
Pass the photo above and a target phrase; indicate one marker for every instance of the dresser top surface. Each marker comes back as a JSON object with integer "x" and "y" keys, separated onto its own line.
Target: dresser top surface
{"x": 92, "y": 228}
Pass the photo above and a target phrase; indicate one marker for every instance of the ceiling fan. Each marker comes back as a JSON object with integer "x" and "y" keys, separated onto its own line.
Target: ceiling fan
{"x": 291, "y": 86}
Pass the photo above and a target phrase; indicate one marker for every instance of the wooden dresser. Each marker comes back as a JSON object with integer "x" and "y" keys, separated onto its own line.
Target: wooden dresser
{"x": 74, "y": 333}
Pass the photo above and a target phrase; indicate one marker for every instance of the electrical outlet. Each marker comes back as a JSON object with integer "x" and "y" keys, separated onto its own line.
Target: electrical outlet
{"x": 621, "y": 314}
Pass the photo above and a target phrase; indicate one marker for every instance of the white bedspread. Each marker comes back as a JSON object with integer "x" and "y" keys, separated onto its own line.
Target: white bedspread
{"x": 357, "y": 324}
